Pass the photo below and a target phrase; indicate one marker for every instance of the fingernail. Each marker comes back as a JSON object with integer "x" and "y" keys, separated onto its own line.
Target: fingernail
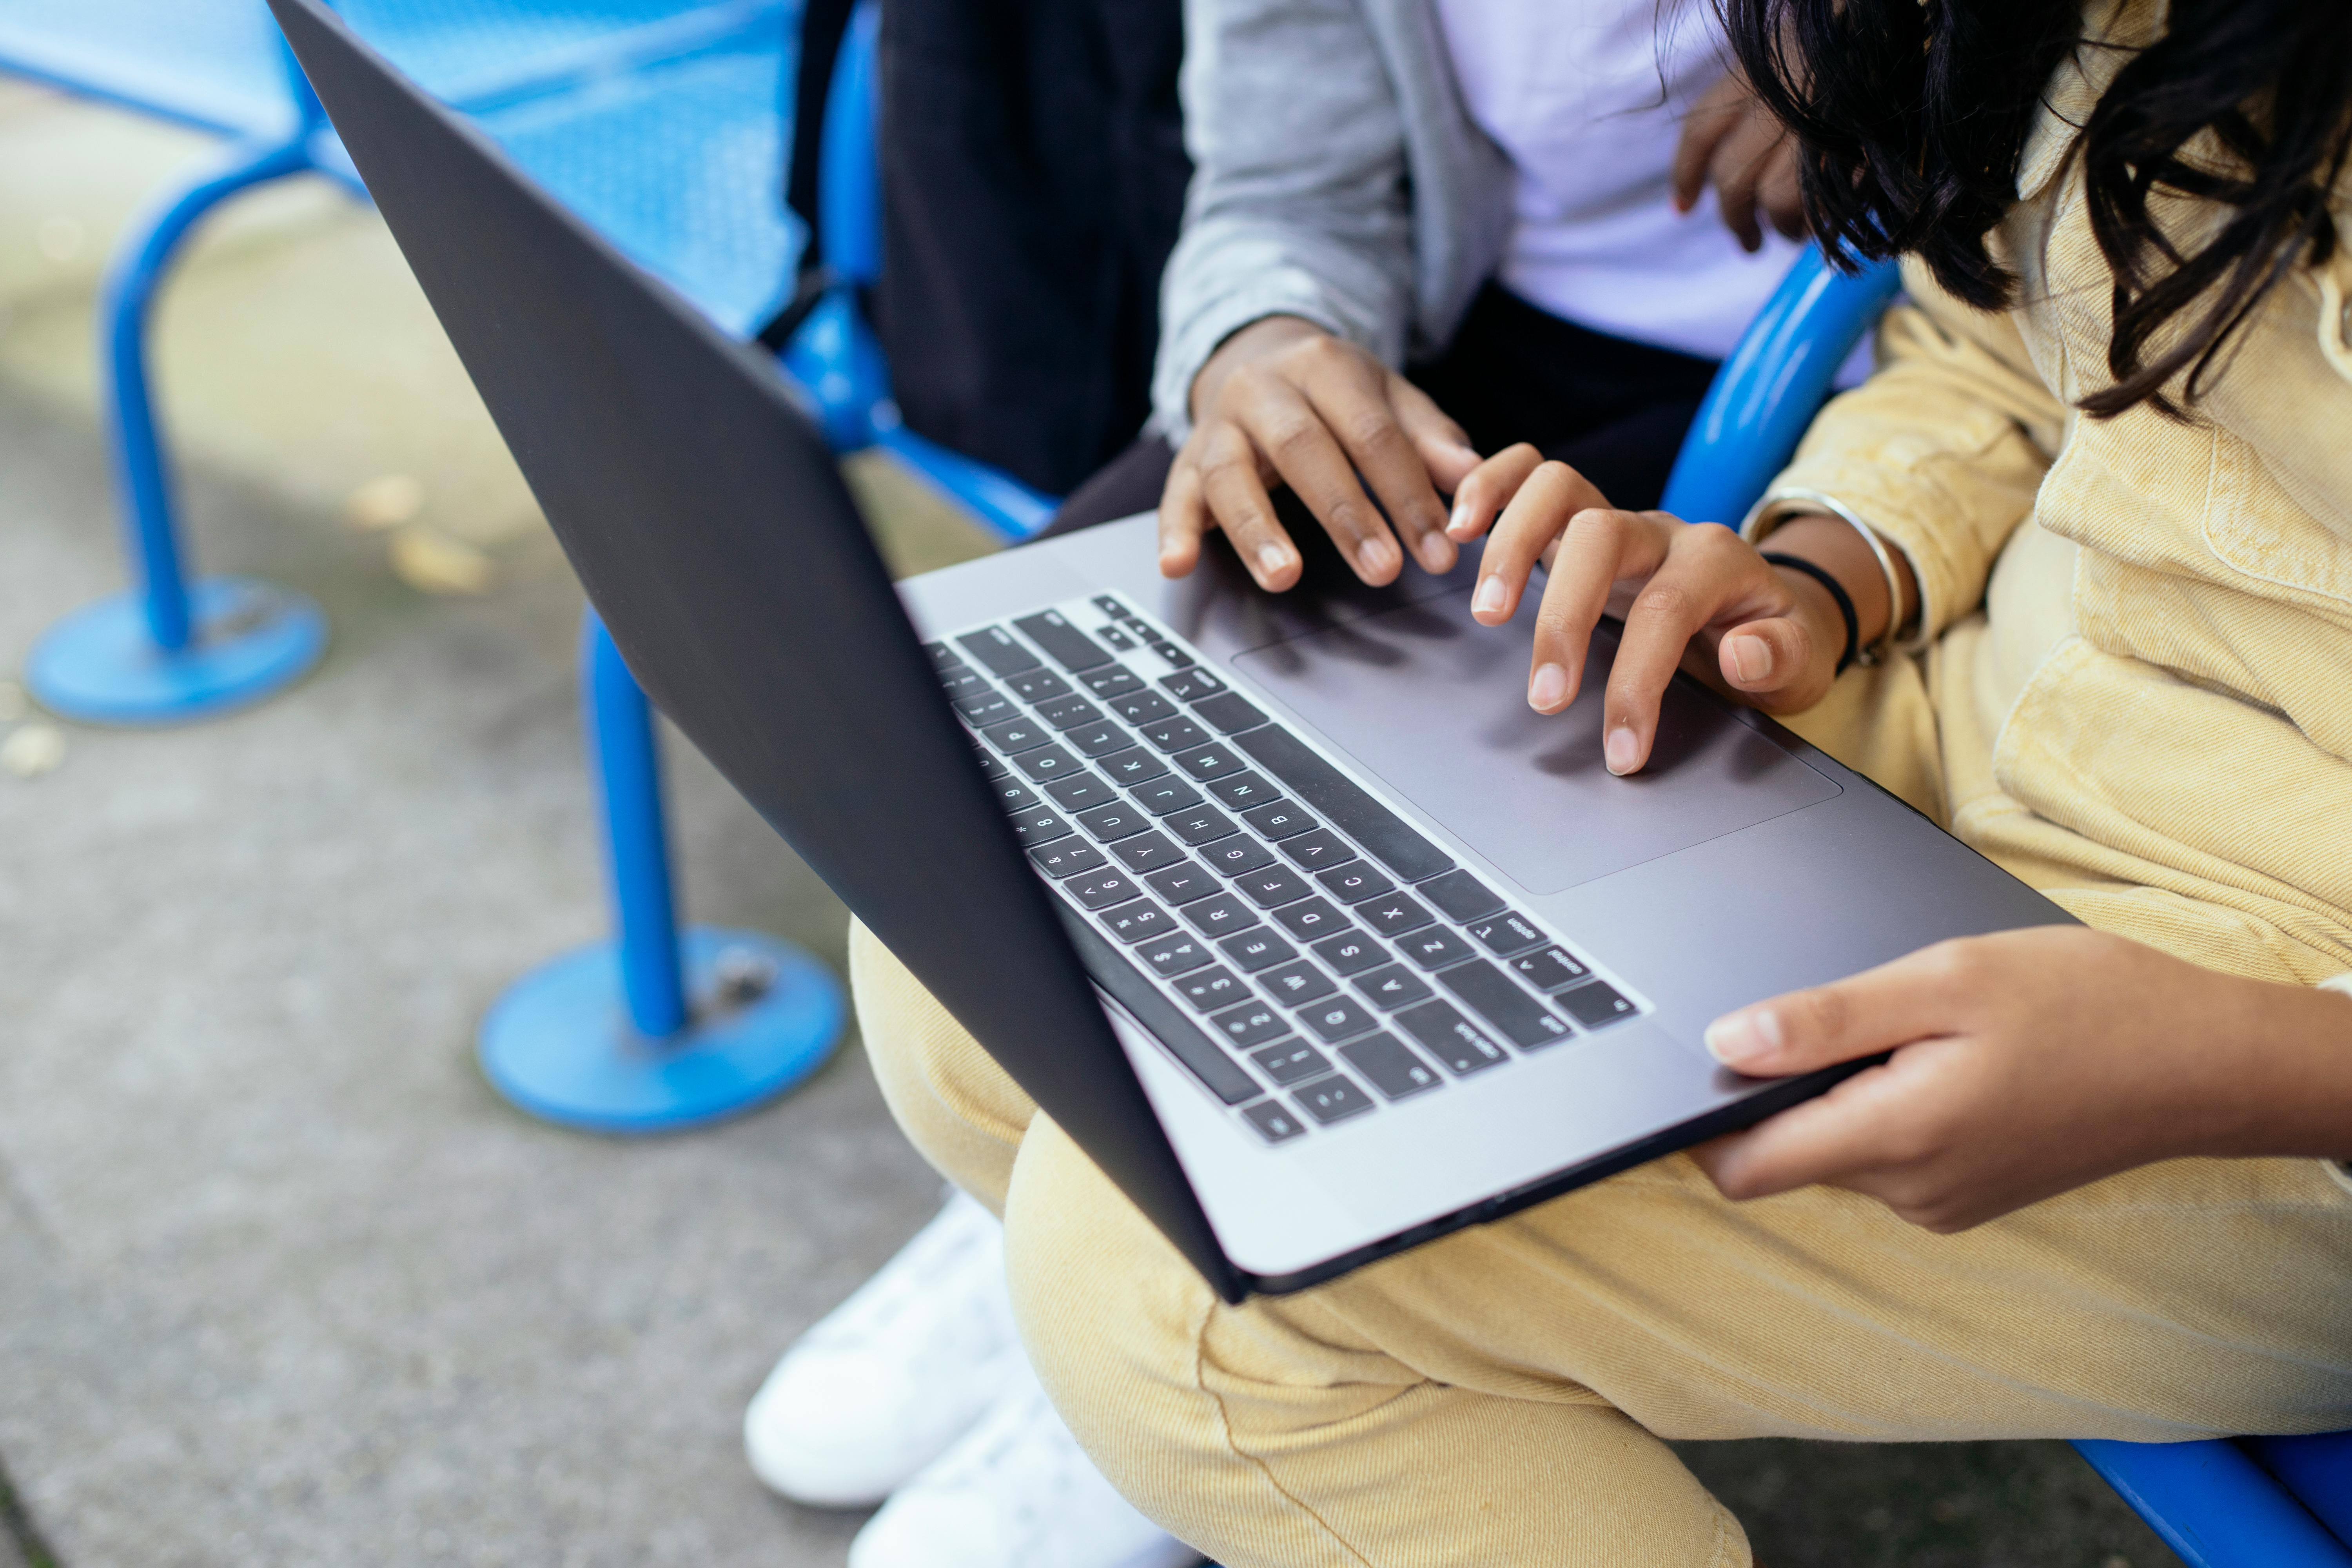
{"x": 1623, "y": 750}
{"x": 1744, "y": 1037}
{"x": 1376, "y": 556}
{"x": 1458, "y": 518}
{"x": 1549, "y": 690}
{"x": 1751, "y": 658}
{"x": 1272, "y": 559}
{"x": 1488, "y": 600}
{"x": 1437, "y": 552}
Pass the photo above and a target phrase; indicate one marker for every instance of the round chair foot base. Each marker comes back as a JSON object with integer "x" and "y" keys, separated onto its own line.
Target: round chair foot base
{"x": 100, "y": 664}
{"x": 560, "y": 1046}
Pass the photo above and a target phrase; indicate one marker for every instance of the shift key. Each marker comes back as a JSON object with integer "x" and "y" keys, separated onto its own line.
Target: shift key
{"x": 1498, "y": 998}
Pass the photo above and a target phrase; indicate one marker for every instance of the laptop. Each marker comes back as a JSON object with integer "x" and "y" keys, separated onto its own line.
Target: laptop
{"x": 1312, "y": 935}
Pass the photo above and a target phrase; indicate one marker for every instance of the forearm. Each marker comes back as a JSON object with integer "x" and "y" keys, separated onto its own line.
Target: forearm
{"x": 2281, "y": 1084}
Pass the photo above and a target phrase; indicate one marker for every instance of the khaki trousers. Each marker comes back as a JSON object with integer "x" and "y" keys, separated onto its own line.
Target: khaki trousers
{"x": 1497, "y": 1397}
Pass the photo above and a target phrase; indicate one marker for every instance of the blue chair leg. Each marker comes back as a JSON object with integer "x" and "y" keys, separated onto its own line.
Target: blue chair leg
{"x": 171, "y": 652}
{"x": 649, "y": 1033}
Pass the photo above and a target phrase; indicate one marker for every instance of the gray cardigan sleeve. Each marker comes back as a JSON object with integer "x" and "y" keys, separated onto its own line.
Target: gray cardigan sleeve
{"x": 1299, "y": 202}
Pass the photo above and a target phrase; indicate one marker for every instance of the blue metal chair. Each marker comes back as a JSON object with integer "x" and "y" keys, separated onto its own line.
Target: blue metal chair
{"x": 562, "y": 90}
{"x": 2246, "y": 1502}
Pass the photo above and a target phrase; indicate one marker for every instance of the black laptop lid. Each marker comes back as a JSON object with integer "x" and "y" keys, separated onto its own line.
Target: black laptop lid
{"x": 706, "y": 517}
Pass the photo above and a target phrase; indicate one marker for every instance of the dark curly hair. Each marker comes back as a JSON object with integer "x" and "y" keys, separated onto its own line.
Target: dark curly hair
{"x": 1911, "y": 116}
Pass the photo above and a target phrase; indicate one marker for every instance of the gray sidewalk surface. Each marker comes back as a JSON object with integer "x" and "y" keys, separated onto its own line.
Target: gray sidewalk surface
{"x": 282, "y": 1281}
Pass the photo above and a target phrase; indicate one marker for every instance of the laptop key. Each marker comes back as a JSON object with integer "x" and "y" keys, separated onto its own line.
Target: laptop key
{"x": 1100, "y": 889}
{"x": 1381, "y": 832}
{"x": 1597, "y": 1004}
{"x": 1505, "y": 933}
{"x": 1133, "y": 922}
{"x": 1234, "y": 856}
{"x": 1351, "y": 952}
{"x": 1035, "y": 686}
{"x": 1333, "y": 1099}
{"x": 1279, "y": 819}
{"x": 1163, "y": 796}
{"x": 985, "y": 709}
{"x": 1393, "y": 986}
{"x": 1452, "y": 1039}
{"x": 1317, "y": 849}
{"x": 1112, "y": 683}
{"x": 1182, "y": 884}
{"x": 1109, "y": 605}
{"x": 1192, "y": 685}
{"x": 1143, "y": 706}
{"x": 1038, "y": 825}
{"x": 1271, "y": 887}
{"x": 1210, "y": 762}
{"x": 1230, "y": 712}
{"x": 943, "y": 657}
{"x": 1200, "y": 825}
{"x": 1108, "y": 824}
{"x": 996, "y": 647}
{"x": 1176, "y": 657}
{"x": 1296, "y": 985}
{"x": 1174, "y": 734}
{"x": 1250, "y": 1025}
{"x": 1311, "y": 919}
{"x": 990, "y": 767}
{"x": 1274, "y": 1121}
{"x": 1048, "y": 763}
{"x": 1015, "y": 735}
{"x": 1136, "y": 991}
{"x": 1290, "y": 1061}
{"x": 1256, "y": 949}
{"x": 1210, "y": 989}
{"x": 1081, "y": 792}
{"x": 1336, "y": 1018}
{"x": 964, "y": 681}
{"x": 1070, "y": 712}
{"x": 1389, "y": 1066}
{"x": 1243, "y": 790}
{"x": 1068, "y": 858}
{"x": 1551, "y": 969}
{"x": 1462, "y": 896}
{"x": 1394, "y": 915}
{"x": 1179, "y": 953}
{"x": 1354, "y": 882}
{"x": 1502, "y": 1002}
{"x": 1219, "y": 915}
{"x": 1014, "y": 795}
{"x": 1435, "y": 947}
{"x": 1113, "y": 639}
{"x": 1098, "y": 739}
{"x": 1147, "y": 852}
{"x": 1070, "y": 647}
{"x": 1131, "y": 767}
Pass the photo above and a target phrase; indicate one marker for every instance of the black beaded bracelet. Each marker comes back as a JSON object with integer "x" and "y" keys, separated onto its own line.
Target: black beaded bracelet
{"x": 1837, "y": 592}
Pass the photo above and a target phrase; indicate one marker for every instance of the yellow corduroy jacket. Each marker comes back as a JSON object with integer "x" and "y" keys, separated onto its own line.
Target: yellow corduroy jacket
{"x": 2142, "y": 629}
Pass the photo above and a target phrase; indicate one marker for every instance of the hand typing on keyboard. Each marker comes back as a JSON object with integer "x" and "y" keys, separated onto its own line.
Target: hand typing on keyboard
{"x": 1695, "y": 597}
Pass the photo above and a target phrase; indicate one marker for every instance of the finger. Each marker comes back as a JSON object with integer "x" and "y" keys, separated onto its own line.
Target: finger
{"x": 1237, "y": 502}
{"x": 1921, "y": 996}
{"x": 1291, "y": 432}
{"x": 1183, "y": 518}
{"x": 1770, "y": 658}
{"x": 1481, "y": 497}
{"x": 1539, "y": 507}
{"x": 1736, "y": 172}
{"x": 1444, "y": 446}
{"x": 1351, "y": 395}
{"x": 1695, "y": 152}
{"x": 1782, "y": 192}
{"x": 1865, "y": 1125}
{"x": 1599, "y": 548}
{"x": 1706, "y": 567}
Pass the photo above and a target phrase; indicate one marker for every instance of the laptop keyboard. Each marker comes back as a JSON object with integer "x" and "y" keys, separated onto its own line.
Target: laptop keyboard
{"x": 1307, "y": 952}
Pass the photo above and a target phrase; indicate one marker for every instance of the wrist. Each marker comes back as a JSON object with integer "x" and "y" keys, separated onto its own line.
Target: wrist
{"x": 2277, "y": 1073}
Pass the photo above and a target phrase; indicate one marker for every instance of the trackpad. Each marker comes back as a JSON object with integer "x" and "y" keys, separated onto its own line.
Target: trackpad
{"x": 1436, "y": 705}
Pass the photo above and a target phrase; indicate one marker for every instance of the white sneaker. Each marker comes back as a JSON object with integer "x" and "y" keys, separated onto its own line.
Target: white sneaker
{"x": 1016, "y": 1492}
{"x": 887, "y": 1381}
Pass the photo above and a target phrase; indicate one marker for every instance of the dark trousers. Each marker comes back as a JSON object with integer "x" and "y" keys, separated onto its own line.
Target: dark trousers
{"x": 1613, "y": 409}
